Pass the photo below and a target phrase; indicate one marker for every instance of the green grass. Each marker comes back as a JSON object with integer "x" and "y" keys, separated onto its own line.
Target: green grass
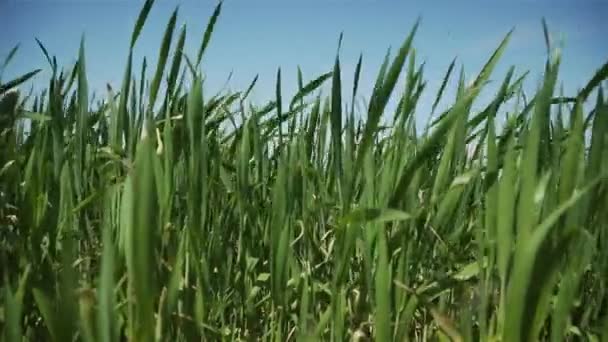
{"x": 167, "y": 213}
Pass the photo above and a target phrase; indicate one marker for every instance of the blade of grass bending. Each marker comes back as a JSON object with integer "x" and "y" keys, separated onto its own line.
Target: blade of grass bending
{"x": 600, "y": 75}
{"x": 208, "y": 32}
{"x": 46, "y": 54}
{"x": 8, "y": 59}
{"x": 487, "y": 69}
{"x": 249, "y": 89}
{"x": 141, "y": 19}
{"x": 309, "y": 88}
{"x": 4, "y": 87}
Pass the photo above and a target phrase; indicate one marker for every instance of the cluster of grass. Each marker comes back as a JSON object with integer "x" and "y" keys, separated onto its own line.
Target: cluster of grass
{"x": 163, "y": 214}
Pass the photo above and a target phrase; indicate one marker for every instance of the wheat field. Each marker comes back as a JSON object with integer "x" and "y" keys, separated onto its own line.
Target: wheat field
{"x": 169, "y": 214}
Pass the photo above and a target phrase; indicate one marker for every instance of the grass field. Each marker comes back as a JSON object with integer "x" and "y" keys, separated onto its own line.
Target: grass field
{"x": 166, "y": 213}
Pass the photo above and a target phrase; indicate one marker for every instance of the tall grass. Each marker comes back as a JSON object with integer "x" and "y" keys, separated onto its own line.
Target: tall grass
{"x": 166, "y": 213}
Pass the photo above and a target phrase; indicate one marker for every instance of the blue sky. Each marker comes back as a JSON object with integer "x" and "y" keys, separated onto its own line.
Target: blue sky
{"x": 256, "y": 37}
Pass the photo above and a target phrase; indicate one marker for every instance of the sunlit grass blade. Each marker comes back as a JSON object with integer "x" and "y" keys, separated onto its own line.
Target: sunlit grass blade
{"x": 569, "y": 284}
{"x": 153, "y": 212}
{"x": 521, "y": 302}
{"x": 534, "y": 148}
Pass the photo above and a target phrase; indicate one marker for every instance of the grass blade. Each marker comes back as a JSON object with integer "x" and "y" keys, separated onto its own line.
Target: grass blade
{"x": 208, "y": 32}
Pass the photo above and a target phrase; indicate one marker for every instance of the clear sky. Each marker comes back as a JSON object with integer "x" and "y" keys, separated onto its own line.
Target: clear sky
{"x": 256, "y": 37}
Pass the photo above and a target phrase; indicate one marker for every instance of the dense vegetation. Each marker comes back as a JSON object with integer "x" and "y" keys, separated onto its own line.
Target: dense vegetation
{"x": 163, "y": 214}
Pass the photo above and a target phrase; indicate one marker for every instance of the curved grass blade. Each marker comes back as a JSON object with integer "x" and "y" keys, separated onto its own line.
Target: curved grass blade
{"x": 8, "y": 59}
{"x": 487, "y": 69}
{"x": 208, "y": 32}
{"x": 600, "y": 75}
{"x": 249, "y": 89}
{"x": 141, "y": 20}
{"x": 309, "y": 88}
{"x": 5, "y": 87}
{"x": 52, "y": 63}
